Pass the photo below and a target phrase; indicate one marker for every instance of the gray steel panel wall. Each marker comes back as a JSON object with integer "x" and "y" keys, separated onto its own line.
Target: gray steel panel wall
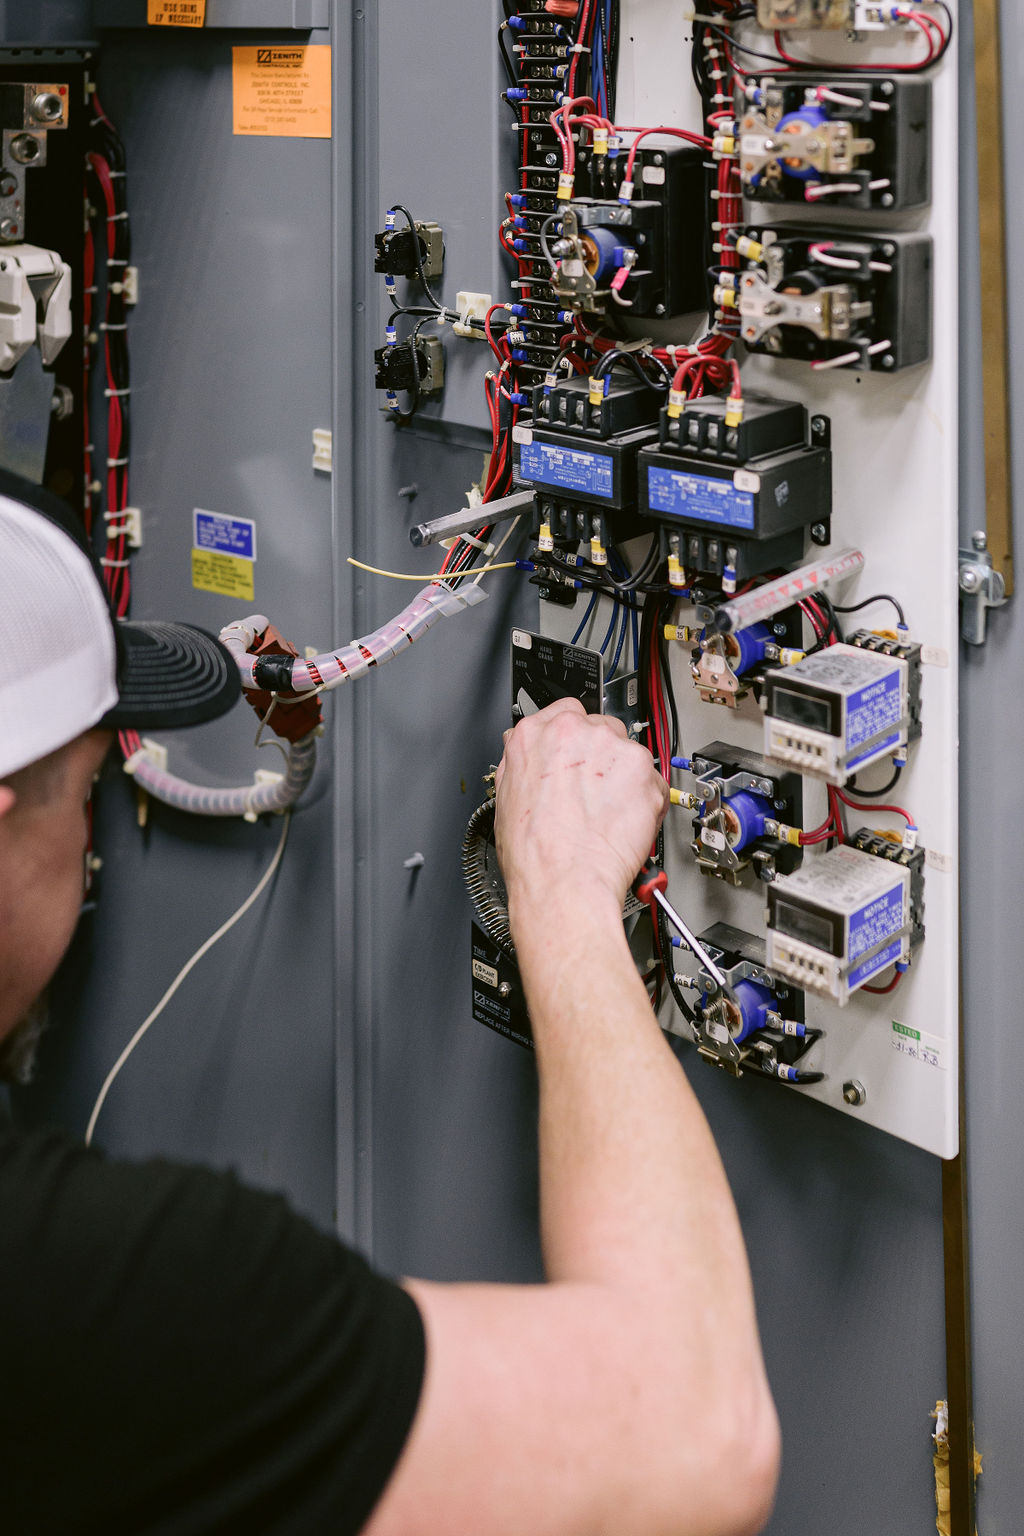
{"x": 231, "y": 370}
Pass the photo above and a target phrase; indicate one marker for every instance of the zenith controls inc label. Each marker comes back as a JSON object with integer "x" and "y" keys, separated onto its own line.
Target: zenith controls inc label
{"x": 568, "y": 468}
{"x": 701, "y": 498}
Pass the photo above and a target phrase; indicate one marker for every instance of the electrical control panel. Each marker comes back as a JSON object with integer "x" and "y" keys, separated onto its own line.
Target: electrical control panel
{"x": 755, "y": 515}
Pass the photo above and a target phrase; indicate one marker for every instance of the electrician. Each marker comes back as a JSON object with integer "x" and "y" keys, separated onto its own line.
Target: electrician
{"x": 182, "y": 1354}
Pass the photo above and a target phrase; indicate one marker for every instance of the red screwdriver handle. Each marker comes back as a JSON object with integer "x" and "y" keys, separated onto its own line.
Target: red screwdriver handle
{"x": 649, "y": 880}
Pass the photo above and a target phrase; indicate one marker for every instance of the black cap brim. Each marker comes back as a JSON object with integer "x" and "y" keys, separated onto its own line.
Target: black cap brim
{"x": 170, "y": 675}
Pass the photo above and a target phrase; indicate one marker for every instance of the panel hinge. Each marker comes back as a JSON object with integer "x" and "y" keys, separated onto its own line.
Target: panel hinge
{"x": 981, "y": 587}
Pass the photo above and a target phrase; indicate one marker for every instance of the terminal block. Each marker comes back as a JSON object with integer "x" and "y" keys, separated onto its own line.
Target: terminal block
{"x": 861, "y": 143}
{"x": 642, "y": 252}
{"x": 396, "y": 250}
{"x": 844, "y": 707}
{"x": 847, "y": 915}
{"x": 580, "y": 455}
{"x": 760, "y": 1027}
{"x": 27, "y": 113}
{"x": 738, "y": 499}
{"x": 743, "y": 804}
{"x": 836, "y": 297}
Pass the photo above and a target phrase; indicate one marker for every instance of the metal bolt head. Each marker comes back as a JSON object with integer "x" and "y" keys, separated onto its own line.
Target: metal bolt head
{"x": 886, "y": 87}
{"x": 659, "y": 309}
{"x": 9, "y": 229}
{"x": 970, "y": 580}
{"x": 8, "y": 184}
{"x": 778, "y": 629}
{"x": 63, "y": 402}
{"x": 25, "y": 148}
{"x": 818, "y": 533}
{"x": 854, "y": 1092}
{"x": 505, "y": 989}
{"x": 886, "y": 199}
{"x": 550, "y": 159}
{"x": 979, "y": 540}
{"x": 47, "y": 107}
{"x": 818, "y": 425}
{"x": 888, "y": 361}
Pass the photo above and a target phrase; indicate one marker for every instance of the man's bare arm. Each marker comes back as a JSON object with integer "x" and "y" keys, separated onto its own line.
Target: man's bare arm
{"x": 626, "y": 1396}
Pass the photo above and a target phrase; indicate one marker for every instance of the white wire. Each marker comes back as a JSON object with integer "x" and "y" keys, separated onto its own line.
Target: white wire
{"x": 497, "y": 551}
{"x": 189, "y": 965}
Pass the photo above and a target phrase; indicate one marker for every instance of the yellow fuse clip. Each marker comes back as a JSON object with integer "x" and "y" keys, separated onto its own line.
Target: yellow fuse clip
{"x": 565, "y": 181}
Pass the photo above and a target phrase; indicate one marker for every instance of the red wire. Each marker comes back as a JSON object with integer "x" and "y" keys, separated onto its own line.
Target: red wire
{"x": 860, "y": 805}
{"x": 889, "y": 987}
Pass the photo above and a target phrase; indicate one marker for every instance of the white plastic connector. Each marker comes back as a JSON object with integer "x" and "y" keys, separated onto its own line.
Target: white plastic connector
{"x": 154, "y": 754}
{"x": 323, "y": 450}
{"x": 131, "y": 517}
{"x": 471, "y": 306}
{"x": 131, "y": 285}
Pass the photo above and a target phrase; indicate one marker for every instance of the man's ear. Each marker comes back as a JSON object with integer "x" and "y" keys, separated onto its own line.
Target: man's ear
{"x": 6, "y": 799}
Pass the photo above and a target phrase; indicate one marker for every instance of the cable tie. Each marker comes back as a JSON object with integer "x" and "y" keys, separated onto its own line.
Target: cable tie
{"x": 105, "y": 326}
{"x": 118, "y": 261}
{"x": 112, "y": 517}
{"x": 471, "y": 538}
{"x": 112, "y": 174}
{"x": 117, "y": 565}
{"x": 110, "y": 394}
{"x": 92, "y": 289}
{"x": 116, "y": 532}
{"x": 112, "y": 218}
{"x": 114, "y": 464}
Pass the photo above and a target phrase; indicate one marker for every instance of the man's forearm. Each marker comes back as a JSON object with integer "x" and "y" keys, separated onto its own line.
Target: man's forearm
{"x": 633, "y": 1192}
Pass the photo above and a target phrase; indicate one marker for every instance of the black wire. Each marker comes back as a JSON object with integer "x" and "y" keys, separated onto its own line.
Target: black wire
{"x": 876, "y": 794}
{"x": 510, "y": 74}
{"x": 629, "y": 360}
{"x": 830, "y": 615}
{"x": 879, "y": 597}
{"x": 418, "y": 254}
{"x": 665, "y": 945}
{"x": 666, "y": 673}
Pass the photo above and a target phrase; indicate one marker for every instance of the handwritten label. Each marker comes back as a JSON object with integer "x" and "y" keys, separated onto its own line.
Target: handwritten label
{"x": 282, "y": 91}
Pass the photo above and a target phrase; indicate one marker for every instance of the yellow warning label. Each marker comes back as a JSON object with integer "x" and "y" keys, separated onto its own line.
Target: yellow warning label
{"x": 175, "y": 13}
{"x": 283, "y": 91}
{"x": 226, "y": 574}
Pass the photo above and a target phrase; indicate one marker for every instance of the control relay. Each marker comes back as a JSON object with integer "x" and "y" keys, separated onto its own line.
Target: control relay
{"x": 846, "y": 916}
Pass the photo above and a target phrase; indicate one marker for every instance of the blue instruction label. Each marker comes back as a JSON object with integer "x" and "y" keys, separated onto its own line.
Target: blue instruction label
{"x": 877, "y": 963}
{"x": 874, "y": 923}
{"x": 227, "y": 535}
{"x": 873, "y": 709}
{"x": 700, "y": 497}
{"x": 568, "y": 468}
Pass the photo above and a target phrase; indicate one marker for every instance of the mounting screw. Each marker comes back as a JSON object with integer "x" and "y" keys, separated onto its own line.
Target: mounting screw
{"x": 63, "y": 402}
{"x": 886, "y": 87}
{"x": 778, "y": 628}
{"x": 888, "y": 361}
{"x": 980, "y": 540}
{"x": 886, "y": 199}
{"x": 659, "y": 309}
{"x": 779, "y": 805}
{"x": 8, "y": 184}
{"x": 659, "y": 160}
{"x": 970, "y": 579}
{"x": 8, "y": 229}
{"x": 505, "y": 989}
{"x": 550, "y": 159}
{"x": 819, "y": 533}
{"x": 818, "y": 426}
{"x": 854, "y": 1092}
{"x": 888, "y": 250}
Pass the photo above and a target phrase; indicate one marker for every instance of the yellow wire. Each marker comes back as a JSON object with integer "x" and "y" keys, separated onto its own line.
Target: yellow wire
{"x": 375, "y": 570}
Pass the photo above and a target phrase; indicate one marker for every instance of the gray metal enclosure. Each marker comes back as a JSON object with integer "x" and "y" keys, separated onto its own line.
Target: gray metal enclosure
{"x": 326, "y": 1046}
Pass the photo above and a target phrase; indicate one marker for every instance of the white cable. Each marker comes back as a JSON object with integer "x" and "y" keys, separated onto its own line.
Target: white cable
{"x": 497, "y": 551}
{"x": 189, "y": 965}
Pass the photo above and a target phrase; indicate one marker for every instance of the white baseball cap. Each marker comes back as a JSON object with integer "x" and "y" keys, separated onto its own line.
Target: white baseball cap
{"x": 66, "y": 664}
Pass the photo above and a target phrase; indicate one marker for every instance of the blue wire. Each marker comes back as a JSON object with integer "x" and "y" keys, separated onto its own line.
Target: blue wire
{"x": 585, "y": 619}
{"x": 611, "y": 628}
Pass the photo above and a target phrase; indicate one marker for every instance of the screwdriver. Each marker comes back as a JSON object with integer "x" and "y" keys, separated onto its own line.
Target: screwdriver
{"x": 649, "y": 887}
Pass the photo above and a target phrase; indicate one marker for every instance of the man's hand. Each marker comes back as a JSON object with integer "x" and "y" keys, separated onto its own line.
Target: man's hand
{"x": 578, "y": 806}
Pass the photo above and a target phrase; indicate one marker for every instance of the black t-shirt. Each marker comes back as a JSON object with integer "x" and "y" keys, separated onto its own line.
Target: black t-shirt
{"x": 182, "y": 1355}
